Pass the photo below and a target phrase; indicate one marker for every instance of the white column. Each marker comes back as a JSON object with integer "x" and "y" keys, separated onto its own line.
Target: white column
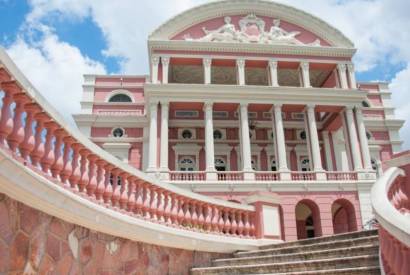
{"x": 341, "y": 68}
{"x": 246, "y": 143}
{"x": 152, "y": 149}
{"x": 165, "y": 69}
{"x": 273, "y": 69}
{"x": 363, "y": 139}
{"x": 280, "y": 138}
{"x": 154, "y": 67}
{"x": 352, "y": 76}
{"x": 164, "y": 137}
{"x": 314, "y": 140}
{"x": 305, "y": 74}
{"x": 351, "y": 127}
{"x": 209, "y": 141}
{"x": 240, "y": 64}
{"x": 207, "y": 62}
{"x": 328, "y": 150}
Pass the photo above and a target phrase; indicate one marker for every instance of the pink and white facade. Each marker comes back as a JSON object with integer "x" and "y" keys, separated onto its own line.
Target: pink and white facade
{"x": 248, "y": 96}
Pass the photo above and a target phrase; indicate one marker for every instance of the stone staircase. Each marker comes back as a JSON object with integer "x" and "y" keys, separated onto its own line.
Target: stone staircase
{"x": 351, "y": 253}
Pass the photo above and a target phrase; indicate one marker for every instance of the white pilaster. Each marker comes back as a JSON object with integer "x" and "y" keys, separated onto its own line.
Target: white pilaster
{"x": 328, "y": 150}
{"x": 209, "y": 141}
{"x": 207, "y": 63}
{"x": 357, "y": 162}
{"x": 273, "y": 69}
{"x": 154, "y": 69}
{"x": 314, "y": 140}
{"x": 363, "y": 139}
{"x": 152, "y": 151}
{"x": 165, "y": 69}
{"x": 164, "y": 138}
{"x": 240, "y": 64}
{"x": 246, "y": 143}
{"x": 280, "y": 138}
{"x": 341, "y": 69}
{"x": 305, "y": 74}
{"x": 352, "y": 76}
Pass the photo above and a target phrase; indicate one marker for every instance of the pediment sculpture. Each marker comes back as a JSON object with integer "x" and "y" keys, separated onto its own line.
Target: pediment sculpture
{"x": 252, "y": 30}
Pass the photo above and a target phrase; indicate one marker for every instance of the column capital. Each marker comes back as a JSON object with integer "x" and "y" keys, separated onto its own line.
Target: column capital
{"x": 153, "y": 104}
{"x": 164, "y": 104}
{"x": 349, "y": 108}
{"x": 273, "y": 63}
{"x": 310, "y": 107}
{"x": 155, "y": 60}
{"x": 208, "y": 105}
{"x": 240, "y": 63}
{"x": 207, "y": 61}
{"x": 244, "y": 104}
{"x": 165, "y": 60}
{"x": 350, "y": 67}
{"x": 304, "y": 65}
{"x": 341, "y": 67}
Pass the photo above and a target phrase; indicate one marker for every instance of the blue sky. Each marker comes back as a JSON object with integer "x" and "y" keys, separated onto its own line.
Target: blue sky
{"x": 56, "y": 41}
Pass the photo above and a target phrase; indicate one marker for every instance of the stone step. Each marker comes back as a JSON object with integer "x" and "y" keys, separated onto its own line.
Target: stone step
{"x": 288, "y": 267}
{"x": 343, "y": 236}
{"x": 303, "y": 256}
{"x": 367, "y": 270}
{"x": 370, "y": 240}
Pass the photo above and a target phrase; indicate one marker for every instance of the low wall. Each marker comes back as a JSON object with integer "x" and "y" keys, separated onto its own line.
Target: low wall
{"x": 33, "y": 242}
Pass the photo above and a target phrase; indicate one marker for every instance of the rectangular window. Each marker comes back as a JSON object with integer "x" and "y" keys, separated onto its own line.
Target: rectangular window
{"x": 186, "y": 114}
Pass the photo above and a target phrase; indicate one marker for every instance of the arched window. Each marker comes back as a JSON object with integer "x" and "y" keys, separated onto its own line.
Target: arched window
{"x": 186, "y": 164}
{"x": 220, "y": 164}
{"x": 186, "y": 134}
{"x": 120, "y": 98}
{"x": 118, "y": 132}
{"x": 218, "y": 134}
{"x": 365, "y": 104}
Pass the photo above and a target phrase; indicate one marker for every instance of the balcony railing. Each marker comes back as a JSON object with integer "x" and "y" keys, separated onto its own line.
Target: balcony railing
{"x": 230, "y": 176}
{"x": 187, "y": 176}
{"x": 341, "y": 175}
{"x": 267, "y": 176}
{"x": 303, "y": 176}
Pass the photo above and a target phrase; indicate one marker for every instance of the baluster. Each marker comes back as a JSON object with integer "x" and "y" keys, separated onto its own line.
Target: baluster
{"x": 76, "y": 174}
{"x": 241, "y": 225}
{"x": 27, "y": 146}
{"x": 83, "y": 168}
{"x": 187, "y": 213}
{"x": 201, "y": 218}
{"x": 59, "y": 161}
{"x": 48, "y": 159}
{"x": 17, "y": 134}
{"x": 174, "y": 209}
{"x": 181, "y": 214}
{"x": 194, "y": 214}
{"x": 107, "y": 184}
{"x": 167, "y": 207}
{"x": 116, "y": 194}
{"x": 131, "y": 193}
{"x": 123, "y": 190}
{"x": 247, "y": 226}
{"x": 99, "y": 191}
{"x": 221, "y": 220}
{"x": 146, "y": 201}
{"x": 67, "y": 169}
{"x": 140, "y": 198}
{"x": 215, "y": 219}
{"x": 252, "y": 224}
{"x": 153, "y": 204}
{"x": 234, "y": 224}
{"x": 6, "y": 121}
{"x": 38, "y": 150}
{"x": 160, "y": 206}
{"x": 208, "y": 218}
{"x": 92, "y": 183}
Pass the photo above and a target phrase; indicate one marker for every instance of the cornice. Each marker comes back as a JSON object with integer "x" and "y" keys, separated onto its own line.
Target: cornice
{"x": 195, "y": 46}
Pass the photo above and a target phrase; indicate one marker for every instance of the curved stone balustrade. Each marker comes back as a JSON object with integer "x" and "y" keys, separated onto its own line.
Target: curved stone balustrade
{"x": 391, "y": 207}
{"x": 33, "y": 134}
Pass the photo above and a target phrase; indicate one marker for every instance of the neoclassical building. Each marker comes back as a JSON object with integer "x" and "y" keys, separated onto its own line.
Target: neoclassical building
{"x": 246, "y": 96}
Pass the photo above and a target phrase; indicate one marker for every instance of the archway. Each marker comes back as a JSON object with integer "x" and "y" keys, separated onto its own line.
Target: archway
{"x": 307, "y": 219}
{"x": 343, "y": 216}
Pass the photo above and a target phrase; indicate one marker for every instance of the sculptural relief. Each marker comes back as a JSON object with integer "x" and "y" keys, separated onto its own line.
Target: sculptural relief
{"x": 252, "y": 30}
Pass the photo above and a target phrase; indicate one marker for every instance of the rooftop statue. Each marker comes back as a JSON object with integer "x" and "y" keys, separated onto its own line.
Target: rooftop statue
{"x": 252, "y": 30}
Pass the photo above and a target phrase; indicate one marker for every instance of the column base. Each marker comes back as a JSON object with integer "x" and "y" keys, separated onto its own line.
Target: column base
{"x": 211, "y": 175}
{"x": 321, "y": 175}
{"x": 285, "y": 175}
{"x": 366, "y": 175}
{"x": 248, "y": 175}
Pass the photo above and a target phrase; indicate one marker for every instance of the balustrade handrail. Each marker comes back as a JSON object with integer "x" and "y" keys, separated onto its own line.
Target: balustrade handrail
{"x": 69, "y": 158}
{"x": 396, "y": 223}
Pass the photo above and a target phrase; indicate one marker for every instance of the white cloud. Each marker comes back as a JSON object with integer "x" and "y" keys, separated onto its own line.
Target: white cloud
{"x": 377, "y": 27}
{"x": 55, "y": 68}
